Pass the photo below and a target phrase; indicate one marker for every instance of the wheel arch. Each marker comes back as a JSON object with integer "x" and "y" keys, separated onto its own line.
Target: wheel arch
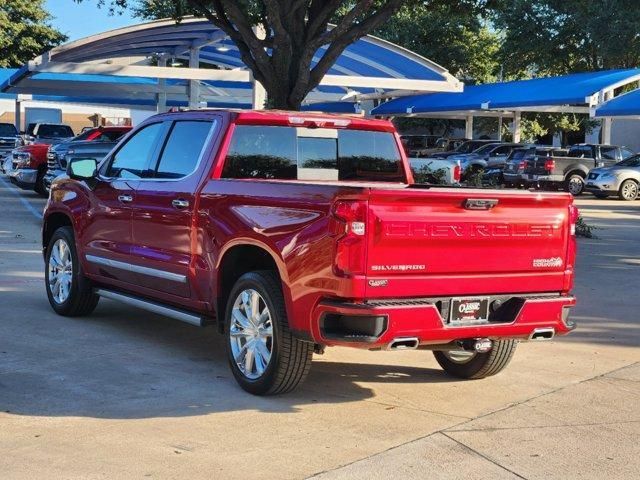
{"x": 239, "y": 258}
{"x": 51, "y": 223}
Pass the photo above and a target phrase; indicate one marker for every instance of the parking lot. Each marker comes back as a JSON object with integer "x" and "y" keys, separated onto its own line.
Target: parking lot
{"x": 127, "y": 394}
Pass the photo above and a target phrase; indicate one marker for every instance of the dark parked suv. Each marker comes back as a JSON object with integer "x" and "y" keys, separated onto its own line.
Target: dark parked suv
{"x": 9, "y": 139}
{"x": 94, "y": 142}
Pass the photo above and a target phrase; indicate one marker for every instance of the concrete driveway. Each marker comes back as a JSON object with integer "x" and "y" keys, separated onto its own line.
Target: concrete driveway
{"x": 127, "y": 394}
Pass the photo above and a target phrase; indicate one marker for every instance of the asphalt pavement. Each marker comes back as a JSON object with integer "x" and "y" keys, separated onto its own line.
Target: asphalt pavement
{"x": 126, "y": 394}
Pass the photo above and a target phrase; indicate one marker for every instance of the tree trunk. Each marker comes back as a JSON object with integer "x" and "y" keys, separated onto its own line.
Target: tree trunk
{"x": 283, "y": 61}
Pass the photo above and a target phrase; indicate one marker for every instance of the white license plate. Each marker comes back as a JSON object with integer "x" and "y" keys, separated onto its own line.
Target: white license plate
{"x": 469, "y": 310}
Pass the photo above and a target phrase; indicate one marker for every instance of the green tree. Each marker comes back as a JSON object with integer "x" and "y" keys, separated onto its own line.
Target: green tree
{"x": 550, "y": 37}
{"x": 25, "y": 31}
{"x": 451, "y": 34}
{"x": 295, "y": 33}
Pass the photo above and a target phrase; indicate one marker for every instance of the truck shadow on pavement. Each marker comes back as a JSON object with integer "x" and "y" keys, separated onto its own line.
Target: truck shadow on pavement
{"x": 122, "y": 363}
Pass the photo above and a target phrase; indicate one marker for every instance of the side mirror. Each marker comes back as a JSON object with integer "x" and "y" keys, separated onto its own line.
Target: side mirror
{"x": 82, "y": 168}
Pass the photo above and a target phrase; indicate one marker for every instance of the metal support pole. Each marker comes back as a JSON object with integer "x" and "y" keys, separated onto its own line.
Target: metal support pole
{"x": 194, "y": 85}
{"x": 468, "y": 127}
{"x": 161, "y": 97}
{"x": 516, "y": 129}
{"x": 500, "y": 128}
{"x": 258, "y": 93}
{"x": 18, "y": 114}
{"x": 605, "y": 125}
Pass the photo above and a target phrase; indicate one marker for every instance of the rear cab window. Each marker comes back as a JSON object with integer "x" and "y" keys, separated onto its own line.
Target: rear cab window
{"x": 298, "y": 153}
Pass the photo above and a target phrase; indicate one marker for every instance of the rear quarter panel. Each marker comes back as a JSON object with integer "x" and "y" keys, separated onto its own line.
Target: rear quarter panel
{"x": 291, "y": 221}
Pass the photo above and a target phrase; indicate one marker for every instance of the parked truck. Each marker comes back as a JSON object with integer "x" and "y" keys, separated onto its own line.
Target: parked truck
{"x": 569, "y": 173}
{"x": 35, "y": 115}
{"x": 294, "y": 231}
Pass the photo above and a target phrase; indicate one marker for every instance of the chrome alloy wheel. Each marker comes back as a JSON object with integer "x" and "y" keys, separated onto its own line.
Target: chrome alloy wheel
{"x": 576, "y": 185}
{"x": 459, "y": 356}
{"x": 629, "y": 190}
{"x": 60, "y": 271}
{"x": 251, "y": 334}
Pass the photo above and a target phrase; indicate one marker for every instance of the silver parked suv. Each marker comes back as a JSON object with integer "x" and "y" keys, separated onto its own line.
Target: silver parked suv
{"x": 622, "y": 179}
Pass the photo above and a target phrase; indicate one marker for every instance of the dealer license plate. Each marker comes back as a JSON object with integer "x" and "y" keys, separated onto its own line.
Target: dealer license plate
{"x": 466, "y": 310}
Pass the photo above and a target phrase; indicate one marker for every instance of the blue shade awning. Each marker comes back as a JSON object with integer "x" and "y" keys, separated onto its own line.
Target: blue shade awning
{"x": 572, "y": 89}
{"x": 627, "y": 105}
{"x": 116, "y": 64}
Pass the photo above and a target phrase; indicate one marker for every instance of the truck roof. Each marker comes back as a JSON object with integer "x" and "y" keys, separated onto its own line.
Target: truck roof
{"x": 293, "y": 119}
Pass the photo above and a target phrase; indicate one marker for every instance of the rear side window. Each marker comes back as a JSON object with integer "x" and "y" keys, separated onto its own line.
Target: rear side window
{"x": 183, "y": 149}
{"x": 133, "y": 159}
{"x": 323, "y": 154}
{"x": 261, "y": 152}
{"x": 608, "y": 153}
{"x": 580, "y": 152}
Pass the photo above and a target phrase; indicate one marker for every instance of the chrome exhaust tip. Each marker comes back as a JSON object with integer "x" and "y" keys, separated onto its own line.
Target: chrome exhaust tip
{"x": 404, "y": 343}
{"x": 542, "y": 334}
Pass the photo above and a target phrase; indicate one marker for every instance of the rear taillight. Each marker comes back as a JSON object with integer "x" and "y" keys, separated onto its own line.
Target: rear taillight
{"x": 350, "y": 218}
{"x": 457, "y": 173}
{"x": 574, "y": 214}
{"x": 549, "y": 165}
{"x": 522, "y": 165}
{"x": 572, "y": 248}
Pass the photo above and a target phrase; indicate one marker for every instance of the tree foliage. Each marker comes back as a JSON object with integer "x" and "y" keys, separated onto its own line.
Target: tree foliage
{"x": 452, "y": 34}
{"x": 25, "y": 31}
{"x": 551, "y": 37}
{"x": 296, "y": 48}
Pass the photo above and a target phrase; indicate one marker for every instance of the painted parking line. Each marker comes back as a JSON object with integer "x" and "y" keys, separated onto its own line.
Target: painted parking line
{"x": 23, "y": 200}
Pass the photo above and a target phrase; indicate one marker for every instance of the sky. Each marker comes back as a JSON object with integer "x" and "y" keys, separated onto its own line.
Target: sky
{"x": 80, "y": 20}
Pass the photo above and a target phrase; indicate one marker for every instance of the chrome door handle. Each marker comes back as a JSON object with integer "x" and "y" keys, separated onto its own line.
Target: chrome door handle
{"x": 125, "y": 198}
{"x": 179, "y": 203}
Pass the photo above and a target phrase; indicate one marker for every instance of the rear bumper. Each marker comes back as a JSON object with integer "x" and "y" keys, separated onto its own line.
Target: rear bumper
{"x": 422, "y": 319}
{"x": 24, "y": 177}
{"x": 534, "y": 178}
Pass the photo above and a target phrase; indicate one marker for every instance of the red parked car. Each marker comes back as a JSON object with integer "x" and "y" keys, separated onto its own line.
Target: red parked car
{"x": 296, "y": 231}
{"x": 30, "y": 161}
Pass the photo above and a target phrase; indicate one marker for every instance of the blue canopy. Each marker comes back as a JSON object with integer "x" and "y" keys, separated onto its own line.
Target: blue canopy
{"x": 538, "y": 92}
{"x": 116, "y": 65}
{"x": 627, "y": 105}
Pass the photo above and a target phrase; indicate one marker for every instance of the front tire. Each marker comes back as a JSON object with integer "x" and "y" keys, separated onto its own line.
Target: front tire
{"x": 471, "y": 365}
{"x": 40, "y": 187}
{"x": 264, "y": 356}
{"x": 69, "y": 292}
{"x": 628, "y": 190}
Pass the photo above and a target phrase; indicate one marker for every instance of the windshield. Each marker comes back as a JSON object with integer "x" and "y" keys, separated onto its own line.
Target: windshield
{"x": 8, "y": 130}
{"x": 630, "y": 162}
{"x": 54, "y": 131}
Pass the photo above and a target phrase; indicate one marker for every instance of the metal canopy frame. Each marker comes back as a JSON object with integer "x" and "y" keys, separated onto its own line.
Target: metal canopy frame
{"x": 114, "y": 64}
{"x": 597, "y": 87}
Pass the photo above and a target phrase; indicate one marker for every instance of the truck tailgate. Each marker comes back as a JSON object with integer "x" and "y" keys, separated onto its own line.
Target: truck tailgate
{"x": 432, "y": 242}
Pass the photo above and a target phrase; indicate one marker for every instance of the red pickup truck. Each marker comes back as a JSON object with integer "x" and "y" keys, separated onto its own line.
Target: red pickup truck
{"x": 296, "y": 231}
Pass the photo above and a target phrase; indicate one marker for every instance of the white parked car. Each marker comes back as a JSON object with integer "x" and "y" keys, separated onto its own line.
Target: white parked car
{"x": 621, "y": 179}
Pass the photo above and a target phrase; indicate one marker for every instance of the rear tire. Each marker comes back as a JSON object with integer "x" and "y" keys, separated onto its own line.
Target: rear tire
{"x": 628, "y": 190}
{"x": 69, "y": 292}
{"x": 477, "y": 365}
{"x": 277, "y": 361}
{"x": 574, "y": 184}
